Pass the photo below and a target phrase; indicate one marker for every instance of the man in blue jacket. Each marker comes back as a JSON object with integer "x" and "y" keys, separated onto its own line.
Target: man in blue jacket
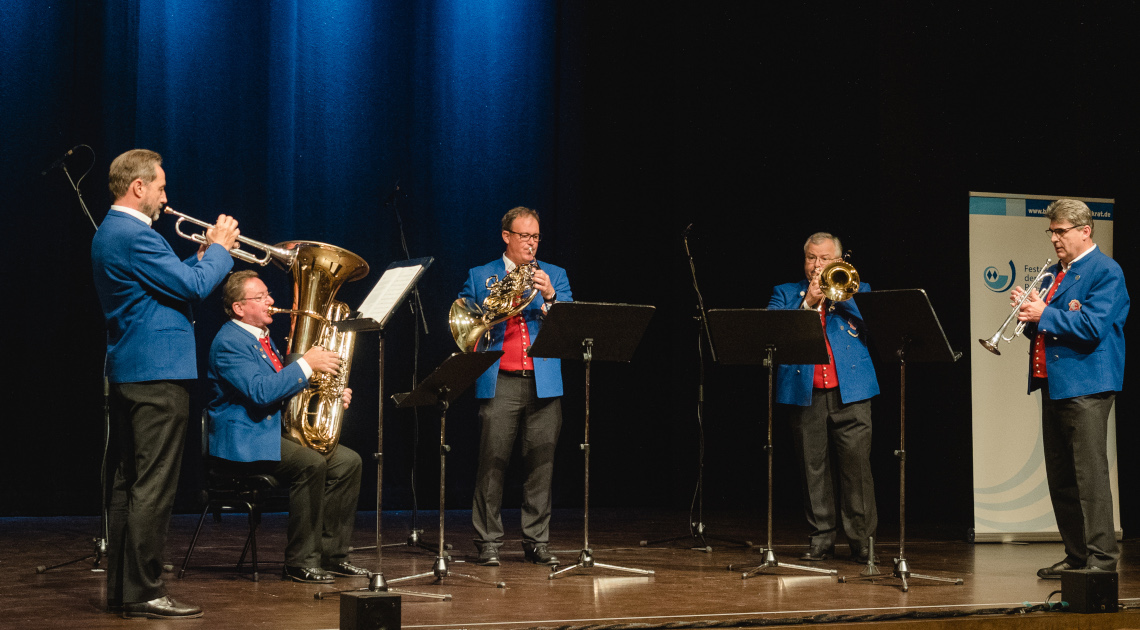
{"x": 521, "y": 396}
{"x": 831, "y": 410}
{"x": 1077, "y": 361}
{"x": 146, "y": 293}
{"x": 251, "y": 386}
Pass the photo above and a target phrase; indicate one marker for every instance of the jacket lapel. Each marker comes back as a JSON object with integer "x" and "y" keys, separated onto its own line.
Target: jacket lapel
{"x": 1073, "y": 277}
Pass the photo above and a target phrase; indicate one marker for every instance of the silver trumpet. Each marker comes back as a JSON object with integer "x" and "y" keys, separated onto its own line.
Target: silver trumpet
{"x": 284, "y": 256}
{"x": 991, "y": 344}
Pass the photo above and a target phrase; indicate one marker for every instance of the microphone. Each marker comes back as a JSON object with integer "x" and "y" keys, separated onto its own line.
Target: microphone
{"x": 56, "y": 164}
{"x": 392, "y": 195}
{"x": 685, "y": 234}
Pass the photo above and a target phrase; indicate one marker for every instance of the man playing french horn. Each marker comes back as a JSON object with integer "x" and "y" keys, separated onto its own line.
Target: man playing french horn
{"x": 250, "y": 386}
{"x": 520, "y": 396}
{"x": 831, "y": 408}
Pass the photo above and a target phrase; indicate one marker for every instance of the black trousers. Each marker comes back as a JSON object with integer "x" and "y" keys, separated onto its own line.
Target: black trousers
{"x": 825, "y": 426}
{"x": 323, "y": 495}
{"x": 148, "y": 425}
{"x": 515, "y": 410}
{"x": 1075, "y": 436}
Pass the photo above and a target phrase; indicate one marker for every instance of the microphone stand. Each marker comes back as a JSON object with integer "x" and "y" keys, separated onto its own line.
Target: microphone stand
{"x": 696, "y": 523}
{"x": 415, "y": 536}
{"x": 100, "y": 542}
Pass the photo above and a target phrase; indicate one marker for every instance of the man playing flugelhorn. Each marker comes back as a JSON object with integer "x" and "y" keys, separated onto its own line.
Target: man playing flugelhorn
{"x": 831, "y": 409}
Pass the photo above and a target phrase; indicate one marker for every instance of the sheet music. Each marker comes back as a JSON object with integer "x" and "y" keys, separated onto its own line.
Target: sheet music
{"x": 385, "y": 296}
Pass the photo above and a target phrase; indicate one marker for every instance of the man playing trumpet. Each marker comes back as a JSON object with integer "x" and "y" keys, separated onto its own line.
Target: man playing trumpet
{"x": 831, "y": 410}
{"x": 1077, "y": 361}
{"x": 146, "y": 293}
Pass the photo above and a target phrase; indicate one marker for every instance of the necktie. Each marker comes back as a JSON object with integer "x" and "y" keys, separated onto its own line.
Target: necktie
{"x": 271, "y": 354}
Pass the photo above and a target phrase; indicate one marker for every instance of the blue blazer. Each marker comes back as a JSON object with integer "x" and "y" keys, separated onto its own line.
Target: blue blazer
{"x": 547, "y": 372}
{"x": 847, "y": 335}
{"x": 248, "y": 396}
{"x": 146, "y": 292}
{"x": 1084, "y": 329}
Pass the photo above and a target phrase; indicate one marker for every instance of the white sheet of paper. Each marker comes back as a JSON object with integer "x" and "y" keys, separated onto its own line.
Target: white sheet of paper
{"x": 382, "y": 299}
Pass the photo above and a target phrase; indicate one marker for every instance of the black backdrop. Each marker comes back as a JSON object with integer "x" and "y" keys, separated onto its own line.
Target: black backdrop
{"x": 758, "y": 123}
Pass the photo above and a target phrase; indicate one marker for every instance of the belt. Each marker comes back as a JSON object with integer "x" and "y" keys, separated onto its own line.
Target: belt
{"x": 518, "y": 373}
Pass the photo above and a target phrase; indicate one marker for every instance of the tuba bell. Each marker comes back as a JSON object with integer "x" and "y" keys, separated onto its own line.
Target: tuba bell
{"x": 471, "y": 321}
{"x": 313, "y": 416}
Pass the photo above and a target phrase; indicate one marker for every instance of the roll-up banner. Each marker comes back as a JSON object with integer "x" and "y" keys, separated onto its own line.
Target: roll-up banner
{"x": 1009, "y": 245}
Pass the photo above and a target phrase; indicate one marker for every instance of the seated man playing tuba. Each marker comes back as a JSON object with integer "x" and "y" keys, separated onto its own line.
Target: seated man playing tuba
{"x": 250, "y": 387}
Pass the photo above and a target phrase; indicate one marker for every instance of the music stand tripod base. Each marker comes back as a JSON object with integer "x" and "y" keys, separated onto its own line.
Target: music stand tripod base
{"x": 770, "y": 562}
{"x": 586, "y": 561}
{"x": 377, "y": 584}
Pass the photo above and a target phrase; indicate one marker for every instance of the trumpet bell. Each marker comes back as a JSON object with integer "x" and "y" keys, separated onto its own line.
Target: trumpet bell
{"x": 839, "y": 281}
{"x": 991, "y": 344}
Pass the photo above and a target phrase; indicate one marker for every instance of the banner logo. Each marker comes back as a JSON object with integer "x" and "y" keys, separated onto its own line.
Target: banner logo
{"x": 998, "y": 282}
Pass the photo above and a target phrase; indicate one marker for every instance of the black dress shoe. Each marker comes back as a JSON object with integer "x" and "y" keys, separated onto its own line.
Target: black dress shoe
{"x": 488, "y": 557}
{"x": 539, "y": 554}
{"x": 346, "y": 569}
{"x": 1054, "y": 572}
{"x": 818, "y": 552}
{"x": 161, "y": 608}
{"x": 308, "y": 575}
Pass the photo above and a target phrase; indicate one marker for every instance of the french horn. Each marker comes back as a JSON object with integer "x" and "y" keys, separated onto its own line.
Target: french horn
{"x": 471, "y": 321}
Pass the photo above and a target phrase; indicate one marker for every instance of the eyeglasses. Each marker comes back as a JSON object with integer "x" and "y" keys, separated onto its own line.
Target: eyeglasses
{"x": 257, "y": 298}
{"x": 823, "y": 259}
{"x": 1061, "y": 231}
{"x": 523, "y": 236}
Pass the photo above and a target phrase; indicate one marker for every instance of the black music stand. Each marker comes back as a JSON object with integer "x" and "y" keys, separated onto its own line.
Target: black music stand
{"x": 445, "y": 384}
{"x": 769, "y": 338}
{"x": 904, "y": 328}
{"x": 388, "y": 293}
{"x": 591, "y": 331}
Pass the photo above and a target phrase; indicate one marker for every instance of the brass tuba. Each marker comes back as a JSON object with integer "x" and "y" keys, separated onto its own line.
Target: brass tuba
{"x": 313, "y": 416}
{"x": 470, "y": 321}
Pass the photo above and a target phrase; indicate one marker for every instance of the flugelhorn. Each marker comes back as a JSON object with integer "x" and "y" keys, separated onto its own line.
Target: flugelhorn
{"x": 839, "y": 281}
{"x": 283, "y": 256}
{"x": 991, "y": 344}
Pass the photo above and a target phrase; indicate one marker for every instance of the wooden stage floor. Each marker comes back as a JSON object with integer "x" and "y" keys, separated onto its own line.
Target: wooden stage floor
{"x": 689, "y": 588}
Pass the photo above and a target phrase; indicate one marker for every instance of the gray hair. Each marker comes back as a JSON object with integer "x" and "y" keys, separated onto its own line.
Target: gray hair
{"x": 234, "y": 290}
{"x": 819, "y": 237}
{"x": 1071, "y": 210}
{"x": 132, "y": 165}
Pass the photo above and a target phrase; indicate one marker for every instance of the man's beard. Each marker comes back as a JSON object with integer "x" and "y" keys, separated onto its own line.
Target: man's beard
{"x": 152, "y": 211}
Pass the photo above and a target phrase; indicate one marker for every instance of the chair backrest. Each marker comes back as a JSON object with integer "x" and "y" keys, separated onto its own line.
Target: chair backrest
{"x": 205, "y": 434}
